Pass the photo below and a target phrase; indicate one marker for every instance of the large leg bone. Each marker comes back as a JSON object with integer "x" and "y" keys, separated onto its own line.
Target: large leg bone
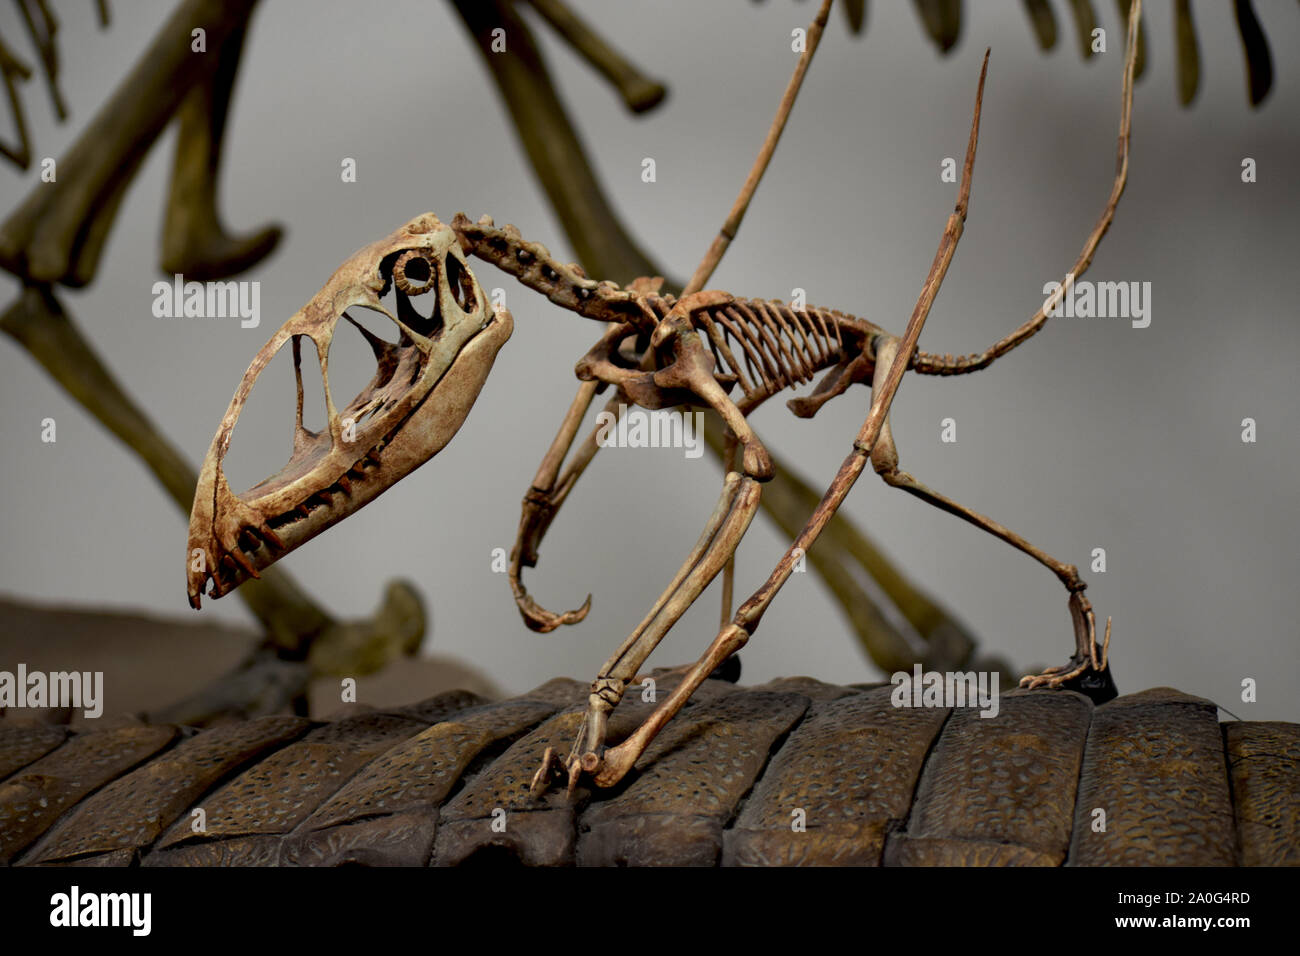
{"x": 844, "y": 556}
{"x": 601, "y": 242}
{"x": 692, "y": 370}
{"x": 616, "y": 762}
{"x": 722, "y": 533}
{"x": 613, "y": 765}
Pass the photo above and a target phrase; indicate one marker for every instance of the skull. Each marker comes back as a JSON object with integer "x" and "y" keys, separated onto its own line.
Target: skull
{"x": 423, "y": 388}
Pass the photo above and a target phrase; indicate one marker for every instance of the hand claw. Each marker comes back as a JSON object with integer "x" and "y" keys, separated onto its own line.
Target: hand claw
{"x": 539, "y": 619}
{"x": 553, "y": 768}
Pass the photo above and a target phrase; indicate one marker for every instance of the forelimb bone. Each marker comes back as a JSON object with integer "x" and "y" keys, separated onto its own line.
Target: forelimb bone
{"x": 692, "y": 371}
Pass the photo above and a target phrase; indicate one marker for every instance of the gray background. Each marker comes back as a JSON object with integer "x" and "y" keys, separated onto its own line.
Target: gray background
{"x": 1094, "y": 434}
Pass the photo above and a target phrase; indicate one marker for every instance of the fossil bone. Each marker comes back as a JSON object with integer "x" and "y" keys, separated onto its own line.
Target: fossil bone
{"x": 690, "y": 360}
{"x": 422, "y": 391}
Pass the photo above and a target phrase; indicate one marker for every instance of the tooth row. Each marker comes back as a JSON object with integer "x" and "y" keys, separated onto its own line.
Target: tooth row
{"x": 325, "y": 497}
{"x": 248, "y": 540}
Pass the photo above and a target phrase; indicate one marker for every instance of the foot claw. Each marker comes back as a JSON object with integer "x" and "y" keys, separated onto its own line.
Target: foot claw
{"x": 1086, "y": 671}
{"x": 538, "y": 619}
{"x": 551, "y": 768}
{"x": 1054, "y": 677}
{"x": 575, "y": 774}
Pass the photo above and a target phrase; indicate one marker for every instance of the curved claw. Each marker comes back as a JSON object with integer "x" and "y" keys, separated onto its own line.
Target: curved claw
{"x": 554, "y": 768}
{"x": 541, "y": 620}
{"x": 1084, "y": 659}
{"x": 1054, "y": 677}
{"x": 546, "y": 773}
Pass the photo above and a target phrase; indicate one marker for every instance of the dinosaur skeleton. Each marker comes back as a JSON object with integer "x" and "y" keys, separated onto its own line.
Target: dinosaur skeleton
{"x": 657, "y": 352}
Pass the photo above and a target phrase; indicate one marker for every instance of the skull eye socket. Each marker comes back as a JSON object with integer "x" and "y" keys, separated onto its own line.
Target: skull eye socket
{"x": 462, "y": 286}
{"x": 413, "y": 273}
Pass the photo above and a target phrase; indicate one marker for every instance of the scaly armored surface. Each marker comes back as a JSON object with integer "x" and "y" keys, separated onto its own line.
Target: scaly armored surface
{"x": 880, "y": 785}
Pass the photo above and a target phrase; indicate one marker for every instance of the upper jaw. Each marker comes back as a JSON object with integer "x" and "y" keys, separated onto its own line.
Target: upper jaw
{"x": 421, "y": 393}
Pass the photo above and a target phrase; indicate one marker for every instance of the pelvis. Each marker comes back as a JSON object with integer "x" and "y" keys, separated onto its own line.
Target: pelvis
{"x": 423, "y": 388}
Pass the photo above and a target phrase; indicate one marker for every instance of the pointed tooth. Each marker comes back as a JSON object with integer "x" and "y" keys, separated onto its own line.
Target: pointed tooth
{"x": 238, "y": 557}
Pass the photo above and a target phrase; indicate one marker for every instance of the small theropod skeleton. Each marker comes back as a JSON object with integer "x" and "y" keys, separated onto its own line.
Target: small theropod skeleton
{"x": 704, "y": 349}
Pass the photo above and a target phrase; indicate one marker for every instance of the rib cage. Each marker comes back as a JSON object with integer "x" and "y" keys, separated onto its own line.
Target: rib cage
{"x": 781, "y": 346}
{"x": 768, "y": 345}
